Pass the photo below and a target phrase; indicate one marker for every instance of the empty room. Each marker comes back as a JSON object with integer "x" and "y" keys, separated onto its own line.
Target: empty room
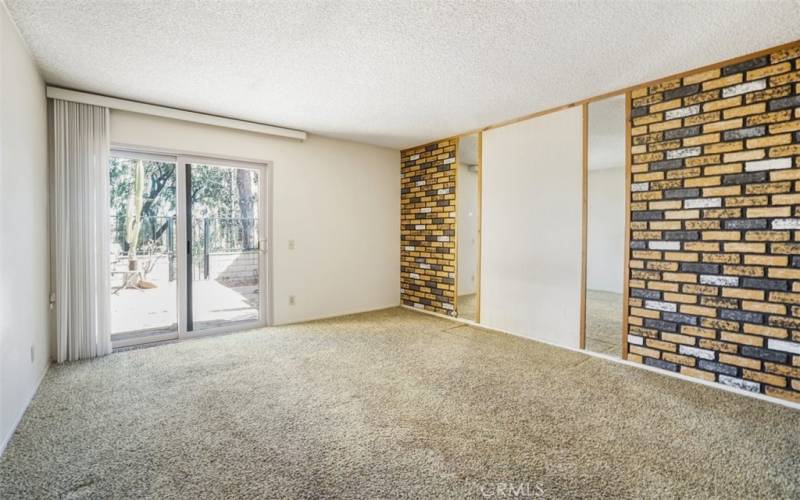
{"x": 394, "y": 249}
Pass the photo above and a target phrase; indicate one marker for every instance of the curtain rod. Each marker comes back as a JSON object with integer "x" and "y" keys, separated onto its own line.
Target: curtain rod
{"x": 176, "y": 114}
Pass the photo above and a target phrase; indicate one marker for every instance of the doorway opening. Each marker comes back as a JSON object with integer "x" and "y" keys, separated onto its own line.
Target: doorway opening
{"x": 468, "y": 227}
{"x": 605, "y": 226}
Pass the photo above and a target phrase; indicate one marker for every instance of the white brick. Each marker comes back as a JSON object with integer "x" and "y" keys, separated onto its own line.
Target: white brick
{"x": 419, "y": 306}
{"x": 442, "y": 238}
{"x": 449, "y": 161}
{"x": 708, "y": 279}
{"x": 423, "y": 265}
{"x": 660, "y": 306}
{"x": 443, "y": 191}
{"x": 739, "y": 383}
{"x": 774, "y": 164}
{"x": 782, "y": 345}
{"x": 447, "y": 306}
{"x": 664, "y": 245}
{"x": 419, "y": 227}
{"x": 696, "y": 352}
{"x": 703, "y": 203}
{"x": 413, "y": 276}
{"x": 681, "y": 112}
{"x": 420, "y": 183}
{"x": 786, "y": 224}
{"x": 635, "y": 339}
{"x": 409, "y": 249}
{"x": 425, "y": 210}
{"x": 744, "y": 88}
{"x": 414, "y": 157}
{"x": 683, "y": 153}
{"x": 640, "y": 186}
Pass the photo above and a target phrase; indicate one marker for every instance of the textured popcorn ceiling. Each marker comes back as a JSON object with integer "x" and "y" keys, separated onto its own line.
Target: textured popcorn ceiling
{"x": 392, "y": 73}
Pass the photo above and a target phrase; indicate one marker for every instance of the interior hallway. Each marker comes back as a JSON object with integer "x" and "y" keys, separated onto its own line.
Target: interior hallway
{"x": 386, "y": 404}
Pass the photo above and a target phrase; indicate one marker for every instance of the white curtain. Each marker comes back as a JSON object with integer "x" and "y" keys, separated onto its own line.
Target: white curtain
{"x": 80, "y": 146}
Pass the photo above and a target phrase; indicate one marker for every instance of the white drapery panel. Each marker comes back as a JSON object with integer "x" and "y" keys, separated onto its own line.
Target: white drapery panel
{"x": 80, "y": 188}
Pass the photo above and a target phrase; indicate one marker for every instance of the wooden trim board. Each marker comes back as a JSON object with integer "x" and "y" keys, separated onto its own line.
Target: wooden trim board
{"x": 584, "y": 223}
{"x": 626, "y": 264}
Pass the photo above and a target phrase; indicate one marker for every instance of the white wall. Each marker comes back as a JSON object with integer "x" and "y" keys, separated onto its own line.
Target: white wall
{"x": 606, "y": 230}
{"x": 467, "y": 230}
{"x": 24, "y": 254}
{"x": 531, "y": 245}
{"x": 339, "y": 201}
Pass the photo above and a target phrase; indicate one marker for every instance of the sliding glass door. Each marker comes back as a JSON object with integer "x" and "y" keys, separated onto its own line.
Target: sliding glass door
{"x": 188, "y": 246}
{"x": 224, "y": 277}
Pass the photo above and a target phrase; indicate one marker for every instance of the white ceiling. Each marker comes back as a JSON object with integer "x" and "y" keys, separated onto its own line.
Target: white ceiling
{"x": 395, "y": 73}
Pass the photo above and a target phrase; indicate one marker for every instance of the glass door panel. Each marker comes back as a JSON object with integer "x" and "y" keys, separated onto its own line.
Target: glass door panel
{"x": 142, "y": 209}
{"x": 225, "y": 262}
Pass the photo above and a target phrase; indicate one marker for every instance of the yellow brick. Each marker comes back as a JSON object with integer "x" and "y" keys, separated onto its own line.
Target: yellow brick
{"x": 752, "y": 109}
{"x": 766, "y": 260}
{"x": 661, "y": 346}
{"x": 785, "y": 54}
{"x": 724, "y": 147}
{"x": 745, "y": 247}
{"x": 743, "y": 293}
{"x": 701, "y": 246}
{"x": 754, "y": 154}
{"x": 680, "y": 297}
{"x": 699, "y": 310}
{"x": 730, "y": 168}
{"x": 701, "y": 139}
{"x": 764, "y": 307}
{"x": 663, "y": 106}
{"x": 780, "y": 175}
{"x": 714, "y": 192}
{"x": 721, "y": 258}
{"x": 680, "y": 277}
{"x": 784, "y": 273}
{"x": 754, "y": 213}
{"x": 769, "y": 188}
{"x": 774, "y": 117}
{"x": 783, "y": 394}
{"x": 664, "y": 287}
{"x": 702, "y": 118}
{"x": 643, "y": 351}
{"x": 650, "y": 176}
{"x": 780, "y": 151}
{"x": 767, "y": 236}
{"x": 702, "y": 224}
{"x": 730, "y": 102}
{"x": 722, "y": 82}
{"x": 640, "y": 92}
{"x": 644, "y": 120}
{"x": 701, "y": 77}
{"x": 730, "y": 359}
{"x": 681, "y": 256}
{"x": 752, "y": 271}
{"x": 682, "y": 214}
{"x": 784, "y": 127}
{"x": 639, "y": 130}
{"x": 775, "y": 69}
{"x": 786, "y": 199}
{"x": 665, "y": 225}
{"x": 692, "y": 372}
{"x": 665, "y": 204}
{"x": 722, "y": 235}
{"x": 746, "y": 201}
{"x": 765, "y": 378}
{"x": 722, "y": 125}
{"x": 702, "y": 160}
{"x": 696, "y": 331}
{"x": 644, "y": 313}
{"x": 776, "y": 81}
{"x": 765, "y": 331}
{"x": 679, "y": 359}
{"x": 668, "y": 125}
{"x": 741, "y": 339}
{"x": 774, "y": 140}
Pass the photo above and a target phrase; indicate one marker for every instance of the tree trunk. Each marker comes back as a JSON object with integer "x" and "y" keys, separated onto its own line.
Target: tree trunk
{"x": 245, "y": 186}
{"x": 134, "y": 223}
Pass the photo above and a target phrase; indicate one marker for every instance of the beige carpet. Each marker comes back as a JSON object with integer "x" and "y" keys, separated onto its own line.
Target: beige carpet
{"x": 467, "y": 306}
{"x": 385, "y": 405}
{"x": 604, "y": 322}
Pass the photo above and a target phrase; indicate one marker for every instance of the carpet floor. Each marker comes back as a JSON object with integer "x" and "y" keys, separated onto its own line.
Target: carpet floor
{"x": 392, "y": 404}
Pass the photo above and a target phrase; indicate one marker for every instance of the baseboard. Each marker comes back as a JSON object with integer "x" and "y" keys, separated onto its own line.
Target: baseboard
{"x": 713, "y": 385}
{"x": 13, "y": 429}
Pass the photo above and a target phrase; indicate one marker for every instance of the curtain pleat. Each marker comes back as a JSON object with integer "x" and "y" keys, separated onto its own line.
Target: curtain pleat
{"x": 82, "y": 289}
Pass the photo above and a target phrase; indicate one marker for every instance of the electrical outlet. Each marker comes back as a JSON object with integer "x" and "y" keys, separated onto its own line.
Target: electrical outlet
{"x": 291, "y": 244}
{"x": 291, "y": 300}
{"x": 33, "y": 354}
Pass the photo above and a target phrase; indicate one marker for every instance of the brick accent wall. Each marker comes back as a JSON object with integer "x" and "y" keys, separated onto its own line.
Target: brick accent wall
{"x": 715, "y": 225}
{"x": 428, "y": 227}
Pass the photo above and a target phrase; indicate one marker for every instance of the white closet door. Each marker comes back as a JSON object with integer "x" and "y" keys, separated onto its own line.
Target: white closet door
{"x": 531, "y": 234}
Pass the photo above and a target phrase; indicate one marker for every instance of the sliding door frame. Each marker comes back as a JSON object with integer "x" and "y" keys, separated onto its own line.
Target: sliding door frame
{"x": 182, "y": 160}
